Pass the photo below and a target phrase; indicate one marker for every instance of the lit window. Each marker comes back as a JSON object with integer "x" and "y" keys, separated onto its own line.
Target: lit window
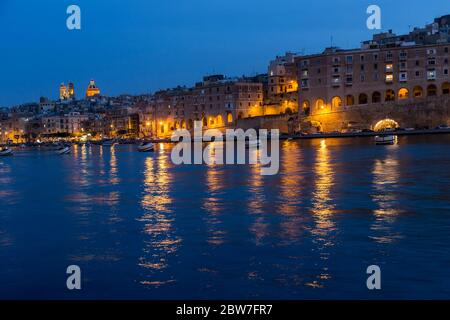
{"x": 389, "y": 67}
{"x": 389, "y": 77}
{"x": 431, "y": 74}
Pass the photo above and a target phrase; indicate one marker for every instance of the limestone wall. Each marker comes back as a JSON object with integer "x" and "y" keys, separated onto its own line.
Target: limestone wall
{"x": 423, "y": 113}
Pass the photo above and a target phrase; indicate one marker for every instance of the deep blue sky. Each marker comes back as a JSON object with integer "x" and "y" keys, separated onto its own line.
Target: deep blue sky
{"x": 138, "y": 46}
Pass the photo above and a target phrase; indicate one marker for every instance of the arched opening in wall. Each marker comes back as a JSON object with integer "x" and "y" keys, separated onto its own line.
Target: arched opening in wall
{"x": 211, "y": 121}
{"x": 162, "y": 128}
{"x": 204, "y": 122}
{"x": 362, "y": 99}
{"x": 403, "y": 94}
{"x": 288, "y": 111}
{"x": 320, "y": 104}
{"x": 240, "y": 115}
{"x": 229, "y": 117}
{"x": 431, "y": 90}
{"x": 219, "y": 120}
{"x": 389, "y": 95}
{"x": 190, "y": 124}
{"x": 291, "y": 125}
{"x": 183, "y": 124}
{"x": 175, "y": 125}
{"x": 170, "y": 126}
{"x": 386, "y": 124}
{"x": 376, "y": 97}
{"x": 336, "y": 102}
{"x": 446, "y": 88}
{"x": 418, "y": 92}
{"x": 349, "y": 100}
{"x": 306, "y": 108}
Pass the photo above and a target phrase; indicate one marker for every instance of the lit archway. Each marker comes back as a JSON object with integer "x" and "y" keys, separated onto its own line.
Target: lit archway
{"x": 362, "y": 99}
{"x": 229, "y": 117}
{"x": 376, "y": 97}
{"x": 219, "y": 120}
{"x": 349, "y": 100}
{"x": 336, "y": 102}
{"x": 418, "y": 92}
{"x": 183, "y": 124}
{"x": 389, "y": 95}
{"x": 446, "y": 88}
{"x": 431, "y": 90}
{"x": 204, "y": 122}
{"x": 403, "y": 94}
{"x": 306, "y": 108}
{"x": 240, "y": 115}
{"x": 386, "y": 124}
{"x": 320, "y": 104}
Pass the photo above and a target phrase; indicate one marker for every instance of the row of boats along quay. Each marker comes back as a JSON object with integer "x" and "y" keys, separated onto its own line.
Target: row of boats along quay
{"x": 387, "y": 136}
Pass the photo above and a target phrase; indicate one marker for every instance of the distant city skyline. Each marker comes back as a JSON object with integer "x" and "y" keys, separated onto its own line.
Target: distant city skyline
{"x": 143, "y": 46}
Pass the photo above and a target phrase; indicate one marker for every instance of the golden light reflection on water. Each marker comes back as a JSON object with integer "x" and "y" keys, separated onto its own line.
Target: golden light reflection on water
{"x": 290, "y": 186}
{"x": 213, "y": 203}
{"x": 323, "y": 210}
{"x": 257, "y": 201}
{"x": 113, "y": 176}
{"x": 386, "y": 177}
{"x": 162, "y": 242}
{"x": 322, "y": 206}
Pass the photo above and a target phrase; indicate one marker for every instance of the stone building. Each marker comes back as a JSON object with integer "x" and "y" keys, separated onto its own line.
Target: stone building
{"x": 216, "y": 101}
{"x": 386, "y": 72}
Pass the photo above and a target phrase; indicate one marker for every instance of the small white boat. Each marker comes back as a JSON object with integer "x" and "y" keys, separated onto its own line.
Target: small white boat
{"x": 385, "y": 140}
{"x": 146, "y": 147}
{"x": 6, "y": 152}
{"x": 63, "y": 150}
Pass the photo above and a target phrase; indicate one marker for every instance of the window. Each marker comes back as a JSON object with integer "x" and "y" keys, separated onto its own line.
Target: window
{"x": 431, "y": 51}
{"x": 389, "y": 56}
{"x": 336, "y": 80}
{"x": 389, "y": 67}
{"x": 446, "y": 72}
{"x": 375, "y": 66}
{"x": 389, "y": 77}
{"x": 375, "y": 57}
{"x": 446, "y": 49}
{"x": 349, "y": 59}
{"x": 431, "y": 74}
{"x": 305, "y": 73}
{"x": 417, "y": 73}
{"x": 349, "y": 69}
{"x": 403, "y": 76}
{"x": 362, "y": 58}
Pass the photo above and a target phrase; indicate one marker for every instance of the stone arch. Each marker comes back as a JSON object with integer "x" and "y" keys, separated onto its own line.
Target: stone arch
{"x": 229, "y": 117}
{"x": 336, "y": 102}
{"x": 183, "y": 124}
{"x": 349, "y": 100}
{"x": 240, "y": 115}
{"x": 446, "y": 88}
{"x": 320, "y": 103}
{"x": 362, "y": 99}
{"x": 418, "y": 92}
{"x": 219, "y": 120}
{"x": 376, "y": 97}
{"x": 389, "y": 95}
{"x": 306, "y": 108}
{"x": 386, "y": 124}
{"x": 403, "y": 94}
{"x": 431, "y": 90}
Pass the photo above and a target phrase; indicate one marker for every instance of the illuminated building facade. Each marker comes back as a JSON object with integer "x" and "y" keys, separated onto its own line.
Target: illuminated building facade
{"x": 387, "y": 70}
{"x": 216, "y": 101}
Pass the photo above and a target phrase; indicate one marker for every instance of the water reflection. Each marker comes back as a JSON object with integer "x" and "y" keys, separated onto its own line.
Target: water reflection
{"x": 386, "y": 178}
{"x": 213, "y": 202}
{"x": 161, "y": 242}
{"x": 257, "y": 201}
{"x": 323, "y": 210}
{"x": 291, "y": 192}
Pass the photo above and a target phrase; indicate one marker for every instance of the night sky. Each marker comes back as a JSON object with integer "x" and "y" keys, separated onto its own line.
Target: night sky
{"x": 139, "y": 46}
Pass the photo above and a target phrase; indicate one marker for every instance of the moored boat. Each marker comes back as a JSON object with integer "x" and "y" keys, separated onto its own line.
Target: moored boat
{"x": 63, "y": 150}
{"x": 386, "y": 140}
{"x": 146, "y": 147}
{"x": 6, "y": 152}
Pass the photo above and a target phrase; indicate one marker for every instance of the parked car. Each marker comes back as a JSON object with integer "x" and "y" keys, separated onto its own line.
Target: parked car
{"x": 443, "y": 127}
